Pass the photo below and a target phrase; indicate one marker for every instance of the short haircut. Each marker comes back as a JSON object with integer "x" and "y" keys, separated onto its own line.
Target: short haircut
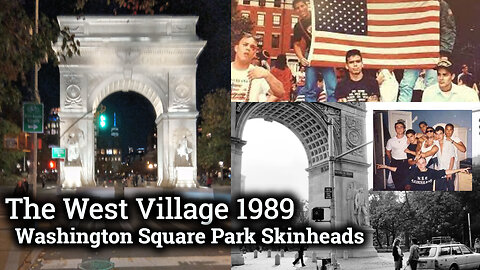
{"x": 415, "y": 241}
{"x": 410, "y": 131}
{"x": 431, "y": 128}
{"x": 399, "y": 123}
{"x": 438, "y": 128}
{"x": 467, "y": 79}
{"x": 246, "y": 35}
{"x": 449, "y": 125}
{"x": 423, "y": 122}
{"x": 298, "y": 1}
{"x": 351, "y": 53}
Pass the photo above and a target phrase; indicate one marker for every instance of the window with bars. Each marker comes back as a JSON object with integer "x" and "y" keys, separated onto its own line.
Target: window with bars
{"x": 294, "y": 21}
{"x": 260, "y": 19}
{"x": 276, "y": 20}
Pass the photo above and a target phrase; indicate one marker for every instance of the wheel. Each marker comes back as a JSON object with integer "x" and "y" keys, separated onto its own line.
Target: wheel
{"x": 453, "y": 267}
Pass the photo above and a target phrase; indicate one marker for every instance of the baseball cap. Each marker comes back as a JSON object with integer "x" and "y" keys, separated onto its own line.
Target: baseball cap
{"x": 446, "y": 65}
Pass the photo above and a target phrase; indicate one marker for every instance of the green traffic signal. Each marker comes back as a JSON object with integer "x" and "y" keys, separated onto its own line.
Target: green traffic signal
{"x": 103, "y": 121}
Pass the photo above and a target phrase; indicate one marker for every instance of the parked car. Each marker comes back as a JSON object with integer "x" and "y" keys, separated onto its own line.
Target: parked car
{"x": 448, "y": 256}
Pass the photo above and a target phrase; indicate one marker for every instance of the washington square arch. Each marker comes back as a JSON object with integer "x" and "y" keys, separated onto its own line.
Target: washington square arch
{"x": 310, "y": 123}
{"x": 154, "y": 56}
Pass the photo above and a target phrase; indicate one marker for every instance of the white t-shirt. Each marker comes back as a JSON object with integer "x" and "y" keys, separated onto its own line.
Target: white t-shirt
{"x": 397, "y": 146}
{"x": 242, "y": 88}
{"x": 426, "y": 149}
{"x": 456, "y": 94}
{"x": 444, "y": 155}
{"x": 457, "y": 162}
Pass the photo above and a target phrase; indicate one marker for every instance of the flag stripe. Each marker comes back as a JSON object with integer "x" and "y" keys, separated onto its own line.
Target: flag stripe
{"x": 404, "y": 33}
{"x": 397, "y": 5}
{"x": 403, "y": 10}
{"x": 403, "y": 16}
{"x": 378, "y": 65}
{"x": 345, "y": 48}
{"x": 377, "y": 55}
{"x": 419, "y": 26}
{"x": 403, "y": 21}
{"x": 373, "y": 66}
{"x": 322, "y": 34}
{"x": 374, "y": 44}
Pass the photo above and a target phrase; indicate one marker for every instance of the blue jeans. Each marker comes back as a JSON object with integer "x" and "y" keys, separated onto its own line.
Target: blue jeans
{"x": 329, "y": 78}
{"x": 410, "y": 76}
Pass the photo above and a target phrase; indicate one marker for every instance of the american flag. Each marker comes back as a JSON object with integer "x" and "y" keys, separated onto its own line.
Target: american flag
{"x": 389, "y": 33}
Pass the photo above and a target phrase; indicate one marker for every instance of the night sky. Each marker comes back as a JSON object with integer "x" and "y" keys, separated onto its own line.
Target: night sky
{"x": 135, "y": 114}
{"x": 135, "y": 118}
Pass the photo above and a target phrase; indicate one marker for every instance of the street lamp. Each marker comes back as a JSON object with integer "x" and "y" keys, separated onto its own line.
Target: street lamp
{"x": 220, "y": 163}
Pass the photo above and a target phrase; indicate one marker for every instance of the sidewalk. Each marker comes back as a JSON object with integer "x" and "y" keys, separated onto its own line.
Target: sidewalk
{"x": 384, "y": 261}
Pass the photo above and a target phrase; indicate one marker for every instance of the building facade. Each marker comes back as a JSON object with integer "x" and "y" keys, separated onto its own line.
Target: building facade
{"x": 273, "y": 22}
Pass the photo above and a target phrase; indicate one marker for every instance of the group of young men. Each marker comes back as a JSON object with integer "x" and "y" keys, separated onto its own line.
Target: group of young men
{"x": 424, "y": 161}
{"x": 253, "y": 84}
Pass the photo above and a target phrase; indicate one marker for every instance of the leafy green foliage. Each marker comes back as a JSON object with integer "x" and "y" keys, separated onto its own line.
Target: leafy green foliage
{"x": 214, "y": 141}
{"x": 20, "y": 50}
{"x": 8, "y": 158}
{"x": 135, "y": 6}
{"x": 422, "y": 215}
{"x": 239, "y": 26}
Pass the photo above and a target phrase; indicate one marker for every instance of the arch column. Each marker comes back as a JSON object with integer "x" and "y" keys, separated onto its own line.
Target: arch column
{"x": 177, "y": 149}
{"x": 78, "y": 138}
{"x": 236, "y": 145}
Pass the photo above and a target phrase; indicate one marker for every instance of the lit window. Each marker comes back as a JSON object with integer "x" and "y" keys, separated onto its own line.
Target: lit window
{"x": 109, "y": 151}
{"x": 102, "y": 151}
{"x": 115, "y": 151}
{"x": 276, "y": 20}
{"x": 259, "y": 37}
{"x": 260, "y": 19}
{"x": 294, "y": 21}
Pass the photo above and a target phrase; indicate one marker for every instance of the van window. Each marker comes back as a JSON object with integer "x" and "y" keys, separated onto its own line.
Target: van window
{"x": 428, "y": 251}
{"x": 465, "y": 250}
{"x": 444, "y": 251}
{"x": 456, "y": 251}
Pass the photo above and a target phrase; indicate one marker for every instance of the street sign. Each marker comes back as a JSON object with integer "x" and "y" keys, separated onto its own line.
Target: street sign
{"x": 32, "y": 117}
{"x": 58, "y": 152}
{"x": 343, "y": 173}
{"x": 328, "y": 193}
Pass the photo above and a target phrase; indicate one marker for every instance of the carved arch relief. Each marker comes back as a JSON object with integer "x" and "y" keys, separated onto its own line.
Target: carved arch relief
{"x": 100, "y": 93}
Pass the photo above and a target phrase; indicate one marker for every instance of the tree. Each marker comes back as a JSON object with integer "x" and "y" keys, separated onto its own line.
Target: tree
{"x": 422, "y": 215}
{"x": 239, "y": 26}
{"x": 214, "y": 140}
{"x": 20, "y": 49}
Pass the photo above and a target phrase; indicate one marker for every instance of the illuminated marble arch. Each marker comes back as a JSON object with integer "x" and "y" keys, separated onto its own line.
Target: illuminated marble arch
{"x": 154, "y": 56}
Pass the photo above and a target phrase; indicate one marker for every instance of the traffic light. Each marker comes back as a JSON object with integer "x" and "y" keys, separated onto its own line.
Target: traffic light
{"x": 318, "y": 214}
{"x": 103, "y": 121}
{"x": 52, "y": 165}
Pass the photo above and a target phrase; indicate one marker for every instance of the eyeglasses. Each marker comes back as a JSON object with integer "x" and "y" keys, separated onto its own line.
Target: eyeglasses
{"x": 429, "y": 130}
